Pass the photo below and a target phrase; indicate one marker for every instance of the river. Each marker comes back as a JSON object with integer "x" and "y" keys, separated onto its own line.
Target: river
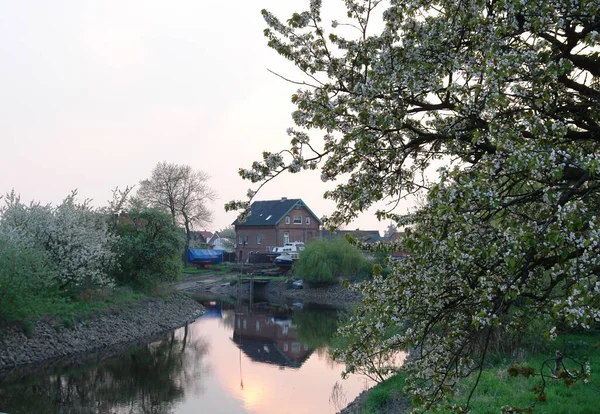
{"x": 239, "y": 357}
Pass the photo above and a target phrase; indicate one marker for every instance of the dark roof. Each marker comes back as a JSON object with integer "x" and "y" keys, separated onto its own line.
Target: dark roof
{"x": 213, "y": 238}
{"x": 201, "y": 235}
{"x": 363, "y": 235}
{"x": 395, "y": 236}
{"x": 267, "y": 352}
{"x": 270, "y": 212}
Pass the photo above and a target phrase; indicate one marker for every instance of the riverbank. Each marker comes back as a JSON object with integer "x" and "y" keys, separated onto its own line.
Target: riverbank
{"x": 48, "y": 340}
{"x": 218, "y": 284}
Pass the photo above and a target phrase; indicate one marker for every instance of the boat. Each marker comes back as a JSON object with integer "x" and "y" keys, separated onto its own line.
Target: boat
{"x": 292, "y": 247}
{"x": 285, "y": 260}
{"x": 287, "y": 254}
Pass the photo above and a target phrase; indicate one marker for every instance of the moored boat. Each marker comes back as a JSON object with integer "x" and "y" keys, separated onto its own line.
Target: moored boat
{"x": 284, "y": 256}
{"x": 292, "y": 247}
{"x": 285, "y": 260}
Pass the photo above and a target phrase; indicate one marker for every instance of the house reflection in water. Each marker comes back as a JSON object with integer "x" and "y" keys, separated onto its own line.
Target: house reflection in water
{"x": 268, "y": 336}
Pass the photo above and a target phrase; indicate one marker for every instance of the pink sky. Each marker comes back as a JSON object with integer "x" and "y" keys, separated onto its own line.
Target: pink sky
{"x": 94, "y": 94}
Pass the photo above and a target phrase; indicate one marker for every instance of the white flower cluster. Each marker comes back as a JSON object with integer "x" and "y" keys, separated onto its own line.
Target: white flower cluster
{"x": 511, "y": 223}
{"x": 75, "y": 237}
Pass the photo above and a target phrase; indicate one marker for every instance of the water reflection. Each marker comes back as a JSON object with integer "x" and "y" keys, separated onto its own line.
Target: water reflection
{"x": 148, "y": 379}
{"x": 240, "y": 357}
{"x": 266, "y": 334}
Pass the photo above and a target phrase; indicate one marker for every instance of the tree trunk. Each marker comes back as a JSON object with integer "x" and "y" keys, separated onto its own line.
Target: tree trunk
{"x": 186, "y": 223}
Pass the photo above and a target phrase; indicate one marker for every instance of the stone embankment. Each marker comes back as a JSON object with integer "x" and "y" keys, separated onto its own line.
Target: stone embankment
{"x": 110, "y": 329}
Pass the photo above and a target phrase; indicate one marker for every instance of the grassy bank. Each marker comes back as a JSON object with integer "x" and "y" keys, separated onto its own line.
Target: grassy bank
{"x": 192, "y": 271}
{"x": 65, "y": 311}
{"x": 497, "y": 388}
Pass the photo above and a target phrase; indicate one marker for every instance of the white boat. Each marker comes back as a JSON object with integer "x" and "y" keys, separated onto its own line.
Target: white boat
{"x": 285, "y": 260}
{"x": 287, "y": 254}
{"x": 293, "y": 247}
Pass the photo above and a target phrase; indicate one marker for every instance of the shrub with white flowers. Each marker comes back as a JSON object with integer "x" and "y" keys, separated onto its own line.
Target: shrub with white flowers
{"x": 507, "y": 93}
{"x": 75, "y": 238}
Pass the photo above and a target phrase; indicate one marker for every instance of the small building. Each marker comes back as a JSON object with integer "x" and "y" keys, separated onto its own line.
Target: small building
{"x": 219, "y": 243}
{"x": 273, "y": 223}
{"x": 199, "y": 239}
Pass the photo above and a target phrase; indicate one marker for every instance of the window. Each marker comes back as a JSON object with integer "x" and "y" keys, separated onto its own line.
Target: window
{"x": 241, "y": 240}
{"x": 285, "y": 347}
{"x": 258, "y": 238}
{"x": 307, "y": 221}
{"x": 296, "y": 347}
{"x": 246, "y": 241}
{"x": 297, "y": 219}
{"x": 268, "y": 249}
{"x": 286, "y": 237}
{"x": 287, "y": 219}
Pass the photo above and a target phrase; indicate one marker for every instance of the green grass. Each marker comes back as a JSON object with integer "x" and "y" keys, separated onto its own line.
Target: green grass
{"x": 381, "y": 394}
{"x": 194, "y": 271}
{"x": 66, "y": 311}
{"x": 271, "y": 278}
{"x": 497, "y": 388}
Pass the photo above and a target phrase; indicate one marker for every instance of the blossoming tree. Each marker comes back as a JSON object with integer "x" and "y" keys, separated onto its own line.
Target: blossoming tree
{"x": 74, "y": 237}
{"x": 507, "y": 94}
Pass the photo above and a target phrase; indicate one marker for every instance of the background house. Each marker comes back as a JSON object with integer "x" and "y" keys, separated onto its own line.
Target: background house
{"x": 367, "y": 236}
{"x": 273, "y": 223}
{"x": 219, "y": 243}
{"x": 199, "y": 239}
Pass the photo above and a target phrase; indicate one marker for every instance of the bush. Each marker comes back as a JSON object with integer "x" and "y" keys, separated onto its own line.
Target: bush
{"x": 324, "y": 261}
{"x": 75, "y": 238}
{"x": 150, "y": 248}
{"x": 26, "y": 276}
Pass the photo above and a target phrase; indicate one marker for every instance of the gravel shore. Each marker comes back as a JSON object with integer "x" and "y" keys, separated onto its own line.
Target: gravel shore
{"x": 111, "y": 329}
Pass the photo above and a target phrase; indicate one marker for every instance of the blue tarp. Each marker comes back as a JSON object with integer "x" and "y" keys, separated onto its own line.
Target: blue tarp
{"x": 205, "y": 256}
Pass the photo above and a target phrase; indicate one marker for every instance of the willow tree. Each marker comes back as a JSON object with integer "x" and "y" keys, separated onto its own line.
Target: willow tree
{"x": 505, "y": 93}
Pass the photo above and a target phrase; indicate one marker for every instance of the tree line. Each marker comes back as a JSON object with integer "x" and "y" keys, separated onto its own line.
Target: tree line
{"x": 73, "y": 250}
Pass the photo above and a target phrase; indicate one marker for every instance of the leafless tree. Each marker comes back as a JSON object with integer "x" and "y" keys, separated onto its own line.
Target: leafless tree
{"x": 183, "y": 192}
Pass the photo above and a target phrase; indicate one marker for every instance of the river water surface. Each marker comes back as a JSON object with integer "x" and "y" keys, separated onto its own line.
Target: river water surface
{"x": 237, "y": 358}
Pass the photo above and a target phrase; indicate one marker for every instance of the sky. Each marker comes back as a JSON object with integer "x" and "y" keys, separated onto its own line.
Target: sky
{"x": 95, "y": 93}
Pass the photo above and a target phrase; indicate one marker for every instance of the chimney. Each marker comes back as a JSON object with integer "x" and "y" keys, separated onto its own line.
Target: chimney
{"x": 283, "y": 198}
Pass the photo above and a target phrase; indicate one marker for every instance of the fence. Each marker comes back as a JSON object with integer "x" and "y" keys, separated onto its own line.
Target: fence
{"x": 260, "y": 258}
{"x": 229, "y": 257}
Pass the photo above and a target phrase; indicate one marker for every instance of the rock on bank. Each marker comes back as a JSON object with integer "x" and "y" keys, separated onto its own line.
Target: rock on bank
{"x": 110, "y": 328}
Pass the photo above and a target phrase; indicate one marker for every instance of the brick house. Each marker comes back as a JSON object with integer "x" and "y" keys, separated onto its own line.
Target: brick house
{"x": 272, "y": 223}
